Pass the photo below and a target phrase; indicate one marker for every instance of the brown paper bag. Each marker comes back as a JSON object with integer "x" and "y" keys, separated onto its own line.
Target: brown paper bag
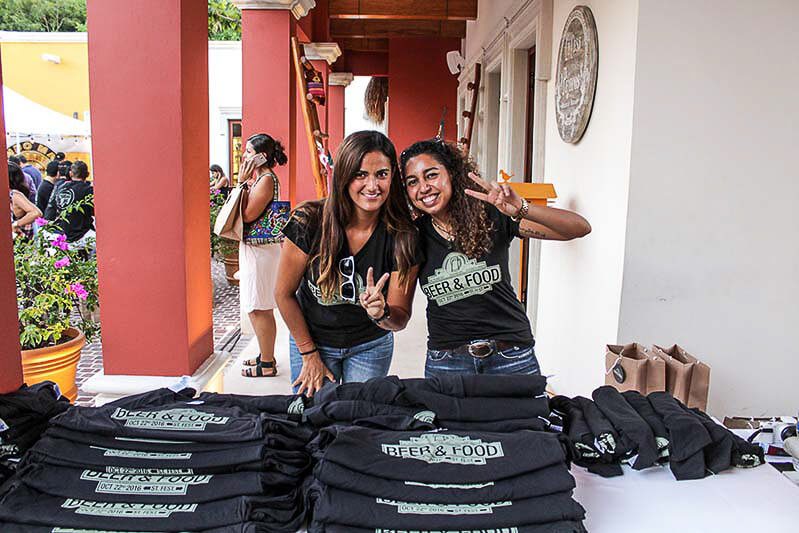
{"x": 633, "y": 367}
{"x": 687, "y": 378}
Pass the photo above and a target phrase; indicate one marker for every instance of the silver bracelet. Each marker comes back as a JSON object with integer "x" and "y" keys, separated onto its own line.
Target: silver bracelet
{"x": 522, "y": 211}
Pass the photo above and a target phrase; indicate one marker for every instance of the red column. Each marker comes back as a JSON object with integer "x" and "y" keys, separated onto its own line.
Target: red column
{"x": 148, "y": 80}
{"x": 321, "y": 55}
{"x": 10, "y": 358}
{"x": 268, "y": 87}
{"x": 337, "y": 83}
{"x": 268, "y": 80}
{"x": 416, "y": 101}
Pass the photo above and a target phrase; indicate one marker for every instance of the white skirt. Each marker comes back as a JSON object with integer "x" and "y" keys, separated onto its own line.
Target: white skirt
{"x": 257, "y": 276}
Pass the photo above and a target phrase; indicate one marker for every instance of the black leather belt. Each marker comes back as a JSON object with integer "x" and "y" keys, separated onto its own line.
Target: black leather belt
{"x": 482, "y": 349}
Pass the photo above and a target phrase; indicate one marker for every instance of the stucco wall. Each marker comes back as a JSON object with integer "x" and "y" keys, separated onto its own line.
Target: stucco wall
{"x": 711, "y": 258}
{"x": 580, "y": 281}
{"x": 224, "y": 96}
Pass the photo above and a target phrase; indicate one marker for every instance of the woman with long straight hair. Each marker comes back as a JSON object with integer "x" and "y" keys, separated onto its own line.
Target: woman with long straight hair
{"x": 475, "y": 323}
{"x": 348, "y": 269}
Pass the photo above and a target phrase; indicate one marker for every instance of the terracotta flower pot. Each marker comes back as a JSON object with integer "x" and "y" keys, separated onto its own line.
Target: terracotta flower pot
{"x": 57, "y": 363}
{"x": 231, "y": 267}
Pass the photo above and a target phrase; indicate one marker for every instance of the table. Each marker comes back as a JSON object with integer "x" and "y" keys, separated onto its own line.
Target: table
{"x": 652, "y": 501}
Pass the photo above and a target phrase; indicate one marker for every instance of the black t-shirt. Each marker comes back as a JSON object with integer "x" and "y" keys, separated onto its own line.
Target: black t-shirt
{"x": 341, "y": 323}
{"x": 43, "y": 195}
{"x": 470, "y": 299}
{"x": 64, "y": 195}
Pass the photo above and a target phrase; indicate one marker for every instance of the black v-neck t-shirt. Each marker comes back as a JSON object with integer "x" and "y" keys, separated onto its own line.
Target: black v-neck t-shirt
{"x": 341, "y": 323}
{"x": 471, "y": 299}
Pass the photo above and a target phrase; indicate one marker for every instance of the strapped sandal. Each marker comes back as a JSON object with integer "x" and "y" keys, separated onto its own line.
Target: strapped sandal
{"x": 255, "y": 361}
{"x": 257, "y": 371}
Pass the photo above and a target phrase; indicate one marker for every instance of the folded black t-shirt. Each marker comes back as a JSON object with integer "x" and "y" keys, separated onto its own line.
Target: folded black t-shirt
{"x": 151, "y": 488}
{"x": 433, "y": 457}
{"x": 563, "y": 526}
{"x": 24, "y": 505}
{"x": 481, "y": 385}
{"x": 176, "y": 421}
{"x": 349, "y": 508}
{"x": 548, "y": 480}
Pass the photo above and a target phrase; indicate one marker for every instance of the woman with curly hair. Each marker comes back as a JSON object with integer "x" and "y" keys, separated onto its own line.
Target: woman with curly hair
{"x": 348, "y": 269}
{"x": 475, "y": 323}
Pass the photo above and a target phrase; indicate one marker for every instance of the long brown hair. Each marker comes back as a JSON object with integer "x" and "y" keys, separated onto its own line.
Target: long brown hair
{"x": 469, "y": 220}
{"x": 335, "y": 212}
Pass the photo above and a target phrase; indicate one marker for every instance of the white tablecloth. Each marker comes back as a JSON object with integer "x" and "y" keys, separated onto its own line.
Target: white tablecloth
{"x": 652, "y": 501}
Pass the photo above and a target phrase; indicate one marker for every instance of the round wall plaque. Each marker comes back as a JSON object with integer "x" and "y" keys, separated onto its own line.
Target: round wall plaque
{"x": 575, "y": 85}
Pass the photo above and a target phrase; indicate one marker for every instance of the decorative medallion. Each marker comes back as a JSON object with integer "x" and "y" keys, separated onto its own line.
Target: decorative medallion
{"x": 575, "y": 85}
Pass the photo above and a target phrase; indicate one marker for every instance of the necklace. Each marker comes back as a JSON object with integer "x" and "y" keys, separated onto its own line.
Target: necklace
{"x": 449, "y": 236}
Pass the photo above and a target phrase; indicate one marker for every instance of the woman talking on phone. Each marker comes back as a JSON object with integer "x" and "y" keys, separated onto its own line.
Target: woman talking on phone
{"x": 475, "y": 323}
{"x": 348, "y": 269}
{"x": 258, "y": 261}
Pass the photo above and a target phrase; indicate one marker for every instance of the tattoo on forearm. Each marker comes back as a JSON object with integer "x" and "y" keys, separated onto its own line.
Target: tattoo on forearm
{"x": 532, "y": 234}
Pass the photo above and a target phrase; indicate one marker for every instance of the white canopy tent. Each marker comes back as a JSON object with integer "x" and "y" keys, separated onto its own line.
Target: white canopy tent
{"x": 25, "y": 120}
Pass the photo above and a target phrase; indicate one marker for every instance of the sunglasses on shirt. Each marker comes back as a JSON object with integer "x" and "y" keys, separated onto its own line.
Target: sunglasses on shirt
{"x": 346, "y": 267}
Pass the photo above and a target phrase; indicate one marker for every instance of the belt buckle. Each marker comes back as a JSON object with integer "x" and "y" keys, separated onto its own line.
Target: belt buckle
{"x": 480, "y": 349}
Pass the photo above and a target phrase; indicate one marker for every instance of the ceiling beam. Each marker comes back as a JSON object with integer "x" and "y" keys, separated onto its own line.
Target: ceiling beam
{"x": 384, "y": 29}
{"x": 404, "y": 9}
{"x": 363, "y": 45}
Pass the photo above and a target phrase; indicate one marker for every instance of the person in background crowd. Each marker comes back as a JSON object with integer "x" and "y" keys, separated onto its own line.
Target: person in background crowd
{"x": 219, "y": 181}
{"x": 23, "y": 212}
{"x": 78, "y": 226}
{"x": 476, "y": 325}
{"x": 31, "y": 171}
{"x": 28, "y": 180}
{"x": 258, "y": 262}
{"x": 46, "y": 188}
{"x": 341, "y": 320}
{"x": 63, "y": 169}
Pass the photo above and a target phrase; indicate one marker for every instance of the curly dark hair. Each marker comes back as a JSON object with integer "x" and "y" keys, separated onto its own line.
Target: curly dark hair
{"x": 472, "y": 228}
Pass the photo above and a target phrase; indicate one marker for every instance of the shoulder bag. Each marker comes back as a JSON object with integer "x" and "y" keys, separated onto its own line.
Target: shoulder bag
{"x": 268, "y": 228}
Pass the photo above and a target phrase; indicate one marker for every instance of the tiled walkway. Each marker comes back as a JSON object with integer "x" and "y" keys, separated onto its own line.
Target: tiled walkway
{"x": 226, "y": 322}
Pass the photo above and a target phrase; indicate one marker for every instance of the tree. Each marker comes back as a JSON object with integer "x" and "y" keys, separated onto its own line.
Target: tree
{"x": 43, "y": 15}
{"x": 224, "y": 21}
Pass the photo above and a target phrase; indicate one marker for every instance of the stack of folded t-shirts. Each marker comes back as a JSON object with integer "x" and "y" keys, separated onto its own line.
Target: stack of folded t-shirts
{"x": 458, "y": 402}
{"x": 24, "y": 415}
{"x": 370, "y": 479}
{"x": 165, "y": 461}
{"x": 627, "y": 427}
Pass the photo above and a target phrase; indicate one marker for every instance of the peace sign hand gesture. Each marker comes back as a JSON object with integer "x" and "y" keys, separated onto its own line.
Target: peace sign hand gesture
{"x": 372, "y": 299}
{"x": 500, "y": 195}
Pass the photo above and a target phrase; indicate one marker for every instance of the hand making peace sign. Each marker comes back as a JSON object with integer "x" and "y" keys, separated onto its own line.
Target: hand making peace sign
{"x": 372, "y": 299}
{"x": 500, "y": 195}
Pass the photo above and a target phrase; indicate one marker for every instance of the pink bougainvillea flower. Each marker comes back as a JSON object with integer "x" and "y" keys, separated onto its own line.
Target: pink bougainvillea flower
{"x": 61, "y": 263}
{"x": 78, "y": 290}
{"x": 60, "y": 242}
{"x": 41, "y": 221}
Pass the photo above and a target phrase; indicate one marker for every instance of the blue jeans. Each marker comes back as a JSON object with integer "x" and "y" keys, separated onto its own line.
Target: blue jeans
{"x": 519, "y": 359}
{"x": 370, "y": 359}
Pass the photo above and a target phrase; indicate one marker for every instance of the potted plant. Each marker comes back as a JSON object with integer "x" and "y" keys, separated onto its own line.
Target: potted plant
{"x": 53, "y": 280}
{"x": 221, "y": 248}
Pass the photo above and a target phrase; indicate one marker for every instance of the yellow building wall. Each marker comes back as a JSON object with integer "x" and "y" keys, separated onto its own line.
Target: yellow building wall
{"x": 62, "y": 87}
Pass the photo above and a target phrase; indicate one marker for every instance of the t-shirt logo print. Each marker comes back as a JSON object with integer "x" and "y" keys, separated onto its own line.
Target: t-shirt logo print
{"x": 440, "y": 448}
{"x": 460, "y": 277}
{"x": 65, "y": 198}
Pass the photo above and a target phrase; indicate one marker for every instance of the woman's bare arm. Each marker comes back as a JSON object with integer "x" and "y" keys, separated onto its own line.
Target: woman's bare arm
{"x": 293, "y": 263}
{"x": 258, "y": 197}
